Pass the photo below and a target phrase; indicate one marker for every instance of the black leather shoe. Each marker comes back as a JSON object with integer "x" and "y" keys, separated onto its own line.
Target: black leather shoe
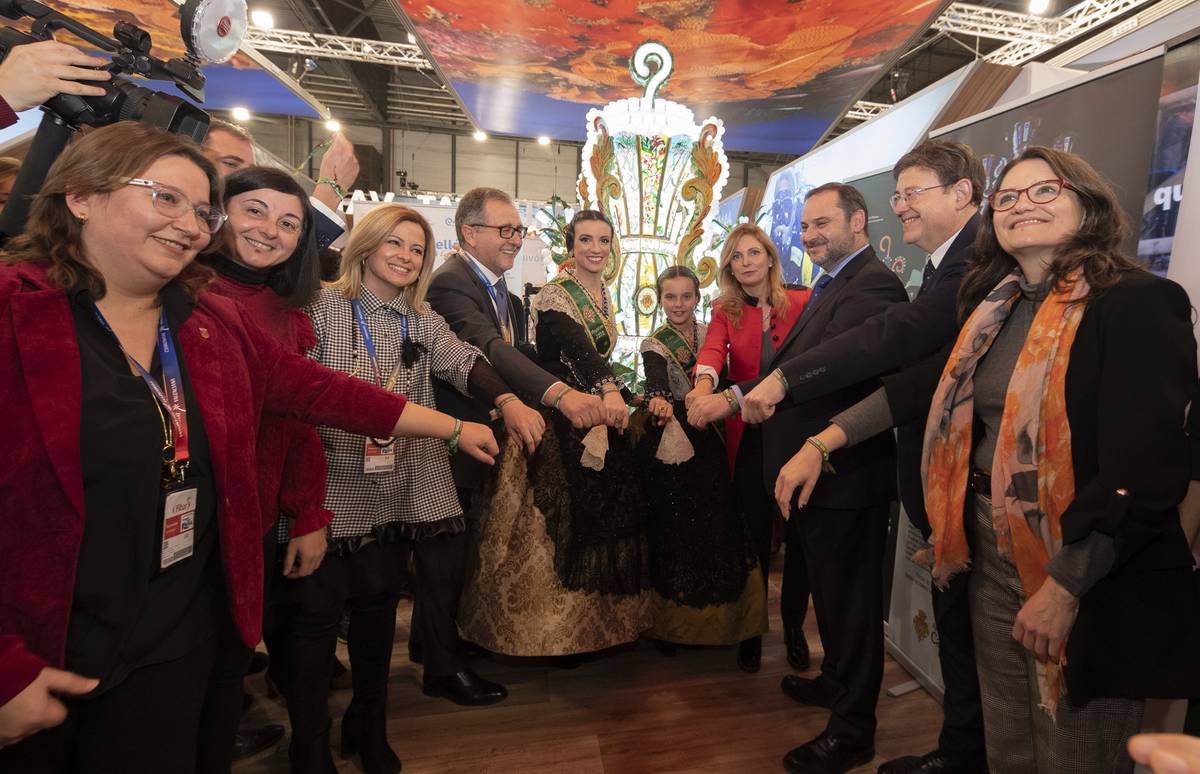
{"x": 936, "y": 762}
{"x": 749, "y": 657}
{"x": 797, "y": 649}
{"x": 465, "y": 688}
{"x": 247, "y": 744}
{"x": 808, "y": 691}
{"x": 828, "y": 754}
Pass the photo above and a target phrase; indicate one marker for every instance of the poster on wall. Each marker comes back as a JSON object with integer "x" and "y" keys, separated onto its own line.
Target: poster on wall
{"x": 911, "y": 631}
{"x": 885, "y": 232}
{"x": 1164, "y": 194}
{"x": 1080, "y": 119}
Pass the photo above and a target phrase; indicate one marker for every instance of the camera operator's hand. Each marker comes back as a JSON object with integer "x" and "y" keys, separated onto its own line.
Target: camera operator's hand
{"x": 35, "y": 72}
{"x": 340, "y": 165}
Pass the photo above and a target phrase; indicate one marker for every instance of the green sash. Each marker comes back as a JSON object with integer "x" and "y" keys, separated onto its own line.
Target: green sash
{"x": 681, "y": 352}
{"x": 593, "y": 320}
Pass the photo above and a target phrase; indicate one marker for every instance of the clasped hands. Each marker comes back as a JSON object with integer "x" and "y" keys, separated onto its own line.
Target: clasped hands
{"x": 757, "y": 405}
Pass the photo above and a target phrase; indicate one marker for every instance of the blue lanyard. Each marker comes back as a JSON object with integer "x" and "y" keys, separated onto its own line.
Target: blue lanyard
{"x": 368, "y": 342}
{"x": 491, "y": 290}
{"x": 171, "y": 399}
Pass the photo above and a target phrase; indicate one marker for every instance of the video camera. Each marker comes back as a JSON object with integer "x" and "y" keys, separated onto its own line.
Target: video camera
{"x": 212, "y": 31}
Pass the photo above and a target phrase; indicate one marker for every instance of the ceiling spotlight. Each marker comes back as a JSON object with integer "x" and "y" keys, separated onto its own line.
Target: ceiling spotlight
{"x": 1039, "y": 7}
{"x": 543, "y": 140}
{"x": 333, "y": 125}
{"x": 479, "y": 135}
{"x": 241, "y": 114}
{"x": 261, "y": 18}
{"x": 412, "y": 38}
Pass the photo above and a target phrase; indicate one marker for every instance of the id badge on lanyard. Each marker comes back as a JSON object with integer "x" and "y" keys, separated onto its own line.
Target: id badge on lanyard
{"x": 178, "y": 517}
{"x": 378, "y": 456}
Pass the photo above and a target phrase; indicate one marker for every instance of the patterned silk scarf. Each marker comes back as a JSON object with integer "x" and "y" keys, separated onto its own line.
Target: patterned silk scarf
{"x": 1033, "y": 480}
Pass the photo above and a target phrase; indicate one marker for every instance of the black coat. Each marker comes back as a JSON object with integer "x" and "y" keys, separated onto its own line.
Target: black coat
{"x": 1131, "y": 375}
{"x": 901, "y": 335}
{"x": 459, "y": 295}
{"x": 865, "y": 474}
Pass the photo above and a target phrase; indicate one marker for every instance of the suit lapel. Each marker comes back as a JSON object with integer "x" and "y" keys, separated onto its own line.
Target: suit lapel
{"x": 49, "y": 353}
{"x": 466, "y": 268}
{"x": 833, "y": 289}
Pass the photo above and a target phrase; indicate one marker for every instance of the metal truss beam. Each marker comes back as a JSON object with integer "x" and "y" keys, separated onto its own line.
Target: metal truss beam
{"x": 1074, "y": 23}
{"x": 865, "y": 111}
{"x": 322, "y": 46}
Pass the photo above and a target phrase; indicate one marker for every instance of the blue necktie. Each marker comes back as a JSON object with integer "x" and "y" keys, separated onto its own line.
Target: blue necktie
{"x": 927, "y": 275}
{"x": 502, "y": 306}
{"x": 822, "y": 283}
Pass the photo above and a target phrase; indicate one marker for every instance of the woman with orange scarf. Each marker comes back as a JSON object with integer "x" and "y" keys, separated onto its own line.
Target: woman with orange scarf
{"x": 1055, "y": 458}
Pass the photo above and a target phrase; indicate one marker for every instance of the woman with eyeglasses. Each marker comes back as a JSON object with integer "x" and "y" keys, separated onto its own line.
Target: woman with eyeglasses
{"x": 1055, "y": 439}
{"x": 131, "y": 540}
{"x": 560, "y": 567}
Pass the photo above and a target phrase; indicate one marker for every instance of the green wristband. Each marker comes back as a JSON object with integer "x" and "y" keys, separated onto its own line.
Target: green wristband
{"x": 782, "y": 379}
{"x": 337, "y": 189}
{"x": 734, "y": 406}
{"x": 452, "y": 441}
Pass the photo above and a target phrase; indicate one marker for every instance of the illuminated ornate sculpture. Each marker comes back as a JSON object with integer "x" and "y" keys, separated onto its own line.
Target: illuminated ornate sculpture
{"x": 658, "y": 175}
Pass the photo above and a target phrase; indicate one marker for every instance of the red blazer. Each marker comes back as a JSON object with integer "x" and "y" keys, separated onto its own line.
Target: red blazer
{"x": 741, "y": 346}
{"x": 291, "y": 459}
{"x": 237, "y": 371}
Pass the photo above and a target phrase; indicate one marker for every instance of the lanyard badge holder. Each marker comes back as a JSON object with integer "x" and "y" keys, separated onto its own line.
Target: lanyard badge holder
{"x": 500, "y": 303}
{"x": 178, "y": 522}
{"x": 379, "y": 456}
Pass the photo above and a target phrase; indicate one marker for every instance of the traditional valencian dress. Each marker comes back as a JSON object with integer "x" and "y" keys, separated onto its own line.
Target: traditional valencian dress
{"x": 706, "y": 585}
{"x": 559, "y": 564}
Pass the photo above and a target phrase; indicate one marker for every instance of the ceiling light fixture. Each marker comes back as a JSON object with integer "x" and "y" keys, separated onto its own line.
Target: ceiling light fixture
{"x": 240, "y": 114}
{"x": 543, "y": 140}
{"x": 479, "y": 135}
{"x": 333, "y": 125}
{"x": 1039, "y": 7}
{"x": 264, "y": 19}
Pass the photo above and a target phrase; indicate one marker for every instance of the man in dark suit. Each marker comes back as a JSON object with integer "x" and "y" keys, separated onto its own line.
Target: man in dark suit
{"x": 939, "y": 188}
{"x": 839, "y": 539}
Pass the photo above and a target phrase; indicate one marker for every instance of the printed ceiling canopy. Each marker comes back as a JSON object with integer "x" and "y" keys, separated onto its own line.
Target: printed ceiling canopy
{"x": 777, "y": 72}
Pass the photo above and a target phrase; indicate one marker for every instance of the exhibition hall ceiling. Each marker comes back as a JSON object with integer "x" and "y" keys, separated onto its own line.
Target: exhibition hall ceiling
{"x": 778, "y": 73}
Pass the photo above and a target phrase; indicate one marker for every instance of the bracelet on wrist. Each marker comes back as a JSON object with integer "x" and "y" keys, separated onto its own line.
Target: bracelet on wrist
{"x": 780, "y": 378}
{"x": 711, "y": 380}
{"x": 558, "y": 398}
{"x": 498, "y": 410}
{"x": 820, "y": 446}
{"x": 506, "y": 401}
{"x": 332, "y": 183}
{"x": 452, "y": 441}
{"x": 734, "y": 406}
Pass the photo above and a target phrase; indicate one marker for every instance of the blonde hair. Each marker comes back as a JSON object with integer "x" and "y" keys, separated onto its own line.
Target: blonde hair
{"x": 733, "y": 296}
{"x": 367, "y": 235}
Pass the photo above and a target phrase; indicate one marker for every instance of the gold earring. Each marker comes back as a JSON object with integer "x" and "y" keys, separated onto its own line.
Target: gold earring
{"x": 82, "y": 219}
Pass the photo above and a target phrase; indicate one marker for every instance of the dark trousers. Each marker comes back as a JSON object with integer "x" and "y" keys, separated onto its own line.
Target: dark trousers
{"x": 843, "y": 553}
{"x": 222, "y": 709}
{"x": 794, "y": 591}
{"x": 148, "y": 724}
{"x": 962, "y": 726}
{"x": 440, "y": 567}
{"x": 758, "y": 507}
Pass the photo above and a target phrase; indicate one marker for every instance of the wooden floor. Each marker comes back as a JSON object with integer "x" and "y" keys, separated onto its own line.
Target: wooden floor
{"x": 629, "y": 711}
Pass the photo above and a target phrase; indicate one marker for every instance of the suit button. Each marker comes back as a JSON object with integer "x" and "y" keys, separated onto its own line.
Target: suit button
{"x": 775, "y": 338}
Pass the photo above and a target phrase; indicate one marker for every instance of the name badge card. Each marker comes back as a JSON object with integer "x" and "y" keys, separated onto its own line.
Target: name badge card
{"x": 179, "y": 527}
{"x": 377, "y": 459}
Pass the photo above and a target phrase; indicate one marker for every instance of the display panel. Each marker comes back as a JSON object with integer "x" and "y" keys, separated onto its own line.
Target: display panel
{"x": 885, "y": 233}
{"x": 1176, "y": 117}
{"x": 1109, "y": 120}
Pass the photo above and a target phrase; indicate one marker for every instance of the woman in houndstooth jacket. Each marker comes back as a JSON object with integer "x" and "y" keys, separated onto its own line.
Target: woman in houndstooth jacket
{"x": 392, "y": 502}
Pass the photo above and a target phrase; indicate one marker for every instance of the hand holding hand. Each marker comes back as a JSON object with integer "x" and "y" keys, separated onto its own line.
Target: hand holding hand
{"x": 759, "y": 404}
{"x": 708, "y": 408}
{"x": 582, "y": 409}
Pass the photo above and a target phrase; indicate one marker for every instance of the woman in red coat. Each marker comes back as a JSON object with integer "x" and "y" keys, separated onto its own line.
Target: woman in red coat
{"x": 753, "y": 314}
{"x": 130, "y": 541}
